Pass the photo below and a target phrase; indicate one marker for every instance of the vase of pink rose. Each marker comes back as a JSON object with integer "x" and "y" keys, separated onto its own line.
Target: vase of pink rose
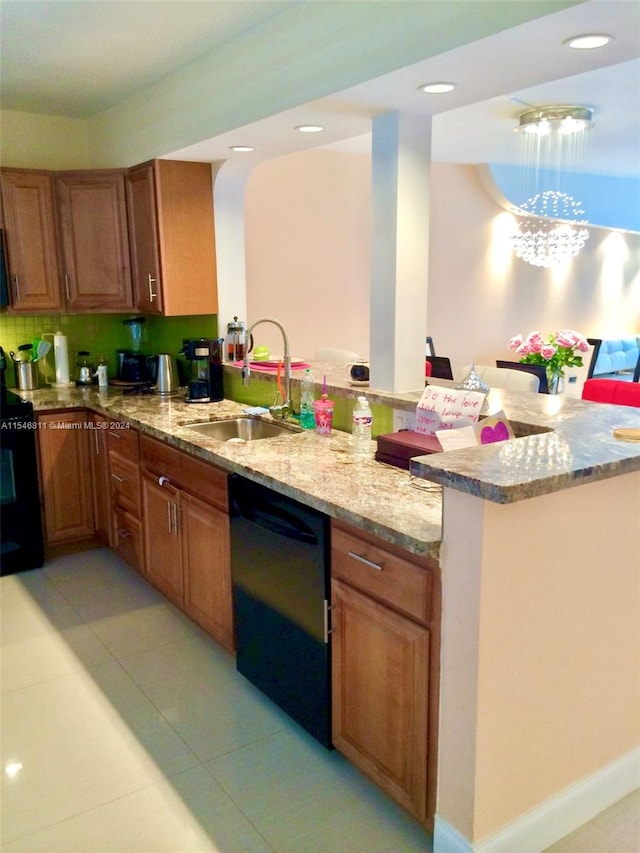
{"x": 559, "y": 350}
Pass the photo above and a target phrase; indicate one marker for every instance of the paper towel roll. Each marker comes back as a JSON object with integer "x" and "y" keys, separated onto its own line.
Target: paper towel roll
{"x": 61, "y": 357}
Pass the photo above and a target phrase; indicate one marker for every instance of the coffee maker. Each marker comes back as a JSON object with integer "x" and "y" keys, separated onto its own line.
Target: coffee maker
{"x": 204, "y": 359}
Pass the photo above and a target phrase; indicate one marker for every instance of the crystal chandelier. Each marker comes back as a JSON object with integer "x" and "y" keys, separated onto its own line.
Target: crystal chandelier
{"x": 540, "y": 238}
{"x": 551, "y": 224}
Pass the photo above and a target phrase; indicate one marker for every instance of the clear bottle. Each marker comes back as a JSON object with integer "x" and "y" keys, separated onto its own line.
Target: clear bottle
{"x": 307, "y": 391}
{"x": 361, "y": 428}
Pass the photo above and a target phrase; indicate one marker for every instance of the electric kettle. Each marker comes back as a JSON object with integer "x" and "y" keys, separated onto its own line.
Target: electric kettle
{"x": 164, "y": 374}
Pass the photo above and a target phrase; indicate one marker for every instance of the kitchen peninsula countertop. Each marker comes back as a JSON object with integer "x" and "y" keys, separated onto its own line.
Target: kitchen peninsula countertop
{"x": 318, "y": 470}
{"x": 567, "y": 442}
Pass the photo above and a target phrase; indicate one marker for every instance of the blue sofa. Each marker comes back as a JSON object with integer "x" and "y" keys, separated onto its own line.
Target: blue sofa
{"x": 612, "y": 356}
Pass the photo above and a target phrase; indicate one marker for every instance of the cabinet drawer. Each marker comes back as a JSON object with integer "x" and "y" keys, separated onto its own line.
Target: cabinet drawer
{"x": 383, "y": 574}
{"x": 198, "y": 478}
{"x": 125, "y": 442}
{"x": 127, "y": 538}
{"x": 125, "y": 483}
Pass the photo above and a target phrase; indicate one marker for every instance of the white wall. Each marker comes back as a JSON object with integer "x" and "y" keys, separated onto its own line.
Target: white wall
{"x": 308, "y": 225}
{"x": 308, "y": 248}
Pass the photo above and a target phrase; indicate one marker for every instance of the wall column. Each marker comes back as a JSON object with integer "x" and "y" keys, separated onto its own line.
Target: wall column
{"x": 401, "y": 157}
{"x": 228, "y": 203}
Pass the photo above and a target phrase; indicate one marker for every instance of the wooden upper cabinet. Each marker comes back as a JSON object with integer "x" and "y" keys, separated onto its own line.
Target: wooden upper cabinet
{"x": 31, "y": 239}
{"x": 95, "y": 241}
{"x": 171, "y": 231}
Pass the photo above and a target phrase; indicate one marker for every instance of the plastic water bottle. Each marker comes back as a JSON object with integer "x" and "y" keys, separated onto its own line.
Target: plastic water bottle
{"x": 361, "y": 428}
{"x": 307, "y": 389}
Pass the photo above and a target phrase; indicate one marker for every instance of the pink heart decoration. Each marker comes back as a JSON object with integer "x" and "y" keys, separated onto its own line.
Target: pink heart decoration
{"x": 490, "y": 434}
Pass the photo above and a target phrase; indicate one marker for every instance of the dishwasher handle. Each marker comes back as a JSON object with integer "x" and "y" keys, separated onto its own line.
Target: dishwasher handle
{"x": 279, "y": 521}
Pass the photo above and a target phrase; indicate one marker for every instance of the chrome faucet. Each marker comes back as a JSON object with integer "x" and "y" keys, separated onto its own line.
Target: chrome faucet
{"x": 277, "y": 410}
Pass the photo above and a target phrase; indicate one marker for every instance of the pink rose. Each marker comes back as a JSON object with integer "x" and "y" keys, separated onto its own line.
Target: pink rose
{"x": 547, "y": 351}
{"x": 535, "y": 342}
{"x": 566, "y": 338}
{"x": 514, "y": 343}
{"x": 523, "y": 350}
{"x": 583, "y": 345}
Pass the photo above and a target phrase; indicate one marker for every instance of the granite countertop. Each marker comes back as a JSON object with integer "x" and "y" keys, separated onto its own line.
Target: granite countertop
{"x": 563, "y": 442}
{"x": 319, "y": 470}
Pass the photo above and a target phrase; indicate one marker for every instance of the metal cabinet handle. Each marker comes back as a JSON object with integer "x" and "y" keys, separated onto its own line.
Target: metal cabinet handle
{"x": 66, "y": 286}
{"x": 97, "y": 443}
{"x": 119, "y": 479}
{"x": 16, "y": 284}
{"x": 175, "y": 518}
{"x": 169, "y": 517}
{"x": 327, "y": 631}
{"x": 123, "y": 534}
{"x": 377, "y": 566}
{"x": 162, "y": 481}
{"x": 114, "y": 434}
{"x": 151, "y": 282}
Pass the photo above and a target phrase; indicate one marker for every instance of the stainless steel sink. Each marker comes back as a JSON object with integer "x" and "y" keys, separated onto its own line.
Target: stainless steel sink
{"x": 244, "y": 429}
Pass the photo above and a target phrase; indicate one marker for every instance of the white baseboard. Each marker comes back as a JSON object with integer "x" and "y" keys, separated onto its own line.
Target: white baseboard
{"x": 541, "y": 827}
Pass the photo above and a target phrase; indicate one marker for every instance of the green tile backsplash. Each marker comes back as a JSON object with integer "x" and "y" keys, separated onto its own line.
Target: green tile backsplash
{"x": 101, "y": 334}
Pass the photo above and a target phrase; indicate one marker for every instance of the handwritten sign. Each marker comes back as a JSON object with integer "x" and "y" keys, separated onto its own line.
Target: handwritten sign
{"x": 447, "y": 408}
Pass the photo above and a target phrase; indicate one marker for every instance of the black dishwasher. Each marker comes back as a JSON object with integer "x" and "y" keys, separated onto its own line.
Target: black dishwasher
{"x": 280, "y": 573}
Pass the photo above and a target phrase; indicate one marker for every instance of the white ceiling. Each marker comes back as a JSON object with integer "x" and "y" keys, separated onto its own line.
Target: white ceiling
{"x": 78, "y": 57}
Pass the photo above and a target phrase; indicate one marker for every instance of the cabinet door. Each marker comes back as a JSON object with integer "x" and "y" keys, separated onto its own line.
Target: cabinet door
{"x": 207, "y": 568}
{"x": 65, "y": 470}
{"x": 380, "y": 682}
{"x": 143, "y": 235}
{"x": 171, "y": 227}
{"x": 32, "y": 248}
{"x": 93, "y": 225}
{"x": 100, "y": 477}
{"x": 127, "y": 538}
{"x": 162, "y": 543}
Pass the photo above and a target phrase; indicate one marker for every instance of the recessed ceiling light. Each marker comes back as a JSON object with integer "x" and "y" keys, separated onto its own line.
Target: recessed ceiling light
{"x": 588, "y": 42}
{"x": 437, "y": 88}
{"x": 310, "y": 128}
{"x": 241, "y": 148}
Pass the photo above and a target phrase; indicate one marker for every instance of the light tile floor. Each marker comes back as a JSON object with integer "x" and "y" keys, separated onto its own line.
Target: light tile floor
{"x": 135, "y": 733}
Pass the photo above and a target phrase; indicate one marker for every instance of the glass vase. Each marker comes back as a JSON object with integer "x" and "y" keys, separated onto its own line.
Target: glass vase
{"x": 555, "y": 381}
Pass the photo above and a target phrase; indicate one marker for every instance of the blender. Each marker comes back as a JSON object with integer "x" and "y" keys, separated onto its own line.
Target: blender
{"x": 132, "y": 364}
{"x": 205, "y": 369}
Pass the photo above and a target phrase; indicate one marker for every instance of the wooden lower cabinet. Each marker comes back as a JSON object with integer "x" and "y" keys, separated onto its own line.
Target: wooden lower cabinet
{"x": 385, "y": 651}
{"x": 380, "y": 665}
{"x": 125, "y": 501}
{"x": 162, "y": 538}
{"x": 127, "y": 538}
{"x": 186, "y": 534}
{"x": 65, "y": 476}
{"x": 100, "y": 477}
{"x": 206, "y": 562}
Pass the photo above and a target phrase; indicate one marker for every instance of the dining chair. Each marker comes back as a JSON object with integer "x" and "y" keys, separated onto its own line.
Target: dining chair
{"x": 500, "y": 377}
{"x": 615, "y": 391}
{"x": 537, "y": 370}
{"x": 440, "y": 366}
